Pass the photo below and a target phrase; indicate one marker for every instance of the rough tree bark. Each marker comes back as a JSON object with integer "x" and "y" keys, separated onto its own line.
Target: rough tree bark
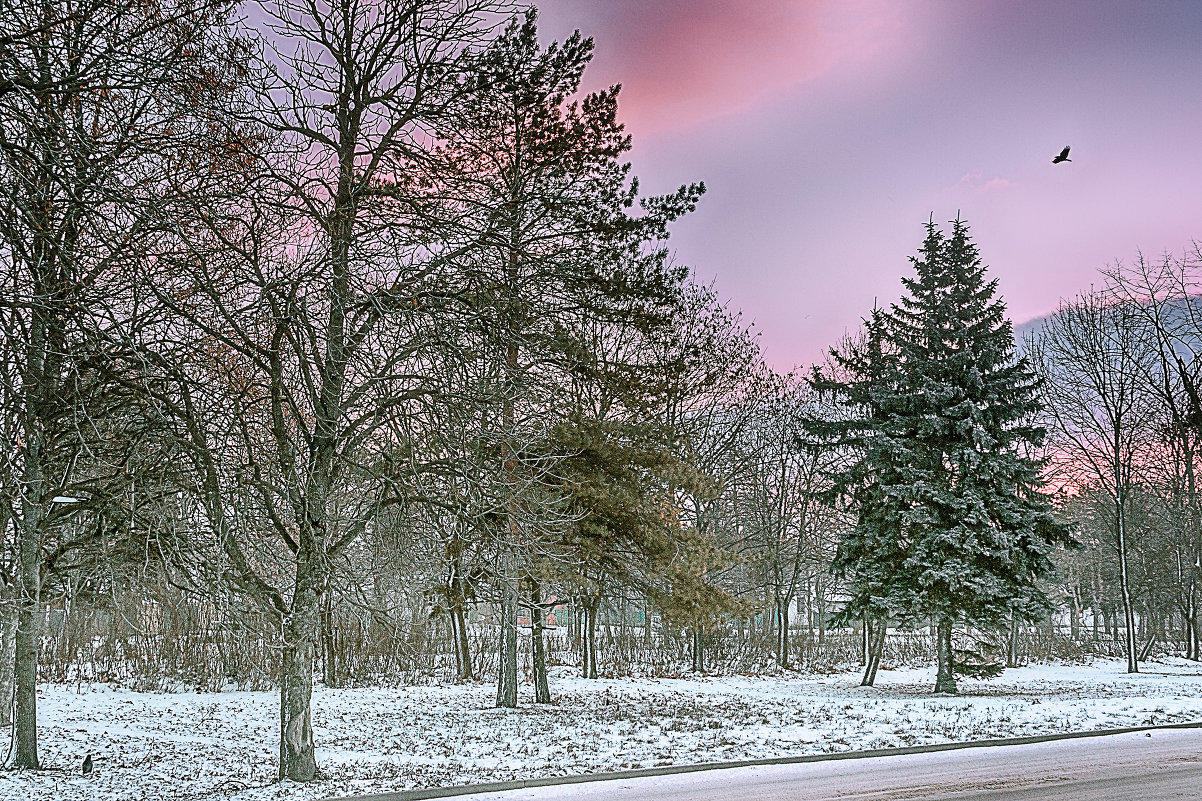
{"x": 945, "y": 679}
{"x": 297, "y": 755}
{"x": 507, "y": 668}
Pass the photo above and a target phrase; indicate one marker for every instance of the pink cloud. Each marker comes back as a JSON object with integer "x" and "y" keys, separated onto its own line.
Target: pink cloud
{"x": 682, "y": 62}
{"x": 975, "y": 179}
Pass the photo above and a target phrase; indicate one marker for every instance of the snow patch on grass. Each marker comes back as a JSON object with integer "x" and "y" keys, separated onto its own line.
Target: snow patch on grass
{"x": 222, "y": 746}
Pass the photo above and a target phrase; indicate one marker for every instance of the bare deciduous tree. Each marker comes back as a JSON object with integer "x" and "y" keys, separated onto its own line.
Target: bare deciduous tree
{"x": 94, "y": 99}
{"x": 1093, "y": 356}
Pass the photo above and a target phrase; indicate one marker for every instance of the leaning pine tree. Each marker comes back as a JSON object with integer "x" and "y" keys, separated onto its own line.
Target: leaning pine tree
{"x": 952, "y": 525}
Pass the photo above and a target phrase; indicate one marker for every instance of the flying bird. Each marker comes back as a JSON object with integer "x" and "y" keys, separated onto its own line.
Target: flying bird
{"x": 87, "y": 765}
{"x": 1062, "y": 157}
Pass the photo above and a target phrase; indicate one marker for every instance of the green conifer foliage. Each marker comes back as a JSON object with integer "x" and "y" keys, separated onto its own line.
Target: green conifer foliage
{"x": 952, "y": 525}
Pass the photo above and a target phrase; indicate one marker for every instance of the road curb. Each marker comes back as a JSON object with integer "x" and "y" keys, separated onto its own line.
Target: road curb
{"x": 551, "y": 781}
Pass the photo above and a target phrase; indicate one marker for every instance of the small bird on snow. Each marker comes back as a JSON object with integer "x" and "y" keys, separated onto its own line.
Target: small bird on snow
{"x": 87, "y": 765}
{"x": 1062, "y": 157}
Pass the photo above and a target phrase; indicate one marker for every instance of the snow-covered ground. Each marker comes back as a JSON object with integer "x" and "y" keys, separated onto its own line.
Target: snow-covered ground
{"x": 222, "y": 745}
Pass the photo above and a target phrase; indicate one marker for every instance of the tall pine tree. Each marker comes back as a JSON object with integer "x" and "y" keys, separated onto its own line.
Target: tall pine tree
{"x": 952, "y": 527}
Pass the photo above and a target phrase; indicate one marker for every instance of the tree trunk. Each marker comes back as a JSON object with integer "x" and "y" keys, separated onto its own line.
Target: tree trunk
{"x": 875, "y": 636}
{"x": 1012, "y": 644}
{"x": 1131, "y": 646}
{"x": 820, "y": 608}
{"x": 8, "y": 635}
{"x": 453, "y": 633}
{"x": 782, "y": 637}
{"x": 1074, "y": 621}
{"x": 542, "y": 692}
{"x": 24, "y": 753}
{"x": 698, "y": 652}
{"x": 329, "y": 646}
{"x": 298, "y": 760}
{"x": 945, "y": 679}
{"x": 463, "y": 651}
{"x": 808, "y": 610}
{"x": 581, "y": 620}
{"x": 1193, "y": 622}
{"x": 507, "y": 668}
{"x": 1146, "y": 651}
{"x": 590, "y": 638}
{"x": 864, "y": 631}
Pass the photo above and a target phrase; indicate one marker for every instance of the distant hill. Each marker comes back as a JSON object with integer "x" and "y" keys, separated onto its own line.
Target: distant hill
{"x": 1177, "y": 316}
{"x": 1033, "y": 326}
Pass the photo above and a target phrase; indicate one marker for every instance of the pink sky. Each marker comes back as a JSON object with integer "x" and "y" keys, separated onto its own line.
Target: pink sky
{"x": 828, "y": 131}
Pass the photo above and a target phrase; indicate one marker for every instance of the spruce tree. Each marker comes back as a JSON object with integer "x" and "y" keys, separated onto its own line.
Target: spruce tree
{"x": 952, "y": 524}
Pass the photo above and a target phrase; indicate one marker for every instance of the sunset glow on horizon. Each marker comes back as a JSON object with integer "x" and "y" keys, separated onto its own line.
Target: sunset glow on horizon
{"x": 828, "y": 133}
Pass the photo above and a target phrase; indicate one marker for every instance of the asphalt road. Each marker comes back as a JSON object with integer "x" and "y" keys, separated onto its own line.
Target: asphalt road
{"x": 1155, "y": 766}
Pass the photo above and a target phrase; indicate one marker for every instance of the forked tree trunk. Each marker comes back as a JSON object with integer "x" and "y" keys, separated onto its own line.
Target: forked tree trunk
{"x": 590, "y": 638}
{"x": 875, "y": 637}
{"x": 945, "y": 678}
{"x": 463, "y": 654}
{"x": 1131, "y": 645}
